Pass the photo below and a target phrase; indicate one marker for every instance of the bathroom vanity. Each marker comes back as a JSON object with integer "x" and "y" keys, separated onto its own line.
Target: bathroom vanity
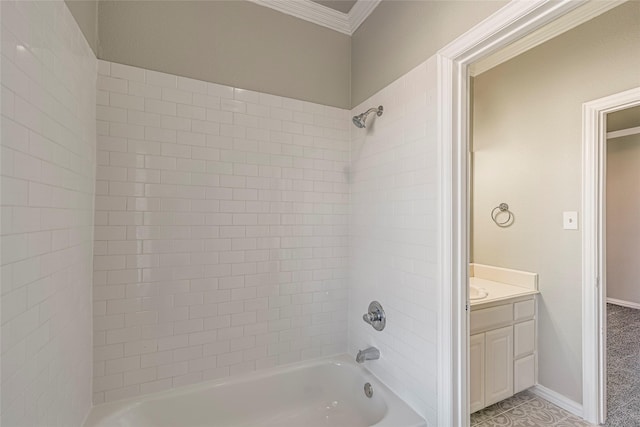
{"x": 503, "y": 342}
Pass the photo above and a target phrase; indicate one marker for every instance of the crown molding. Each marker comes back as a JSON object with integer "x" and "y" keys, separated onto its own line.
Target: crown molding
{"x": 582, "y": 14}
{"x": 361, "y": 11}
{"x": 346, "y": 23}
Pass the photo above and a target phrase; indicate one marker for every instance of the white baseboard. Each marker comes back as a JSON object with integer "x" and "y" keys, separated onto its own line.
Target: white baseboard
{"x": 557, "y": 399}
{"x": 623, "y": 303}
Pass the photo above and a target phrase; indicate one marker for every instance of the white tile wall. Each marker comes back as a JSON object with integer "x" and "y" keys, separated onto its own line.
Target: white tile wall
{"x": 221, "y": 227}
{"x": 221, "y": 231}
{"x": 48, "y": 151}
{"x": 394, "y": 236}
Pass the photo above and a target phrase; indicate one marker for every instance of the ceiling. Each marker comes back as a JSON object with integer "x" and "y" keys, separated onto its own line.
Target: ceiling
{"x": 343, "y": 6}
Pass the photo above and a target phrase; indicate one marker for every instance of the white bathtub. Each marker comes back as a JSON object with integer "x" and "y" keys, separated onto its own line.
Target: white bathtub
{"x": 327, "y": 392}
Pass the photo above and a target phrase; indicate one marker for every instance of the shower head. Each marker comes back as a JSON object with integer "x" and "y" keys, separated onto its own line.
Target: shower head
{"x": 357, "y": 120}
{"x": 360, "y": 119}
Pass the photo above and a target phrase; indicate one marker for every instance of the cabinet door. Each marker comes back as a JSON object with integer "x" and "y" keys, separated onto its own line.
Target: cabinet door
{"x": 498, "y": 365}
{"x": 476, "y": 372}
{"x": 524, "y": 338}
{"x": 524, "y": 372}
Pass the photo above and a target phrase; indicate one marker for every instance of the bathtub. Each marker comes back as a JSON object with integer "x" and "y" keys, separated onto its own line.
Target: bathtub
{"x": 326, "y": 392}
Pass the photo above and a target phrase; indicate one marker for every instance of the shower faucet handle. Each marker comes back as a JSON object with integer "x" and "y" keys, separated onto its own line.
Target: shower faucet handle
{"x": 373, "y": 317}
{"x": 376, "y": 316}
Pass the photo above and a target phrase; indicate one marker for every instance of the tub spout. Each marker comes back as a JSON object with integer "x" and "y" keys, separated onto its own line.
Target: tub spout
{"x": 370, "y": 353}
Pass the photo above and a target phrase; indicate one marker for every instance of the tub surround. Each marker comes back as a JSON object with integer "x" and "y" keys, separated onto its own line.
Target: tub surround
{"x": 221, "y": 231}
{"x": 393, "y": 235}
{"x": 274, "y": 234}
{"x": 48, "y": 174}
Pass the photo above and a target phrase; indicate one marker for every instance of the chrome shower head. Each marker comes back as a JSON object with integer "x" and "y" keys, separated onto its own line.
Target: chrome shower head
{"x": 360, "y": 119}
{"x": 357, "y": 120}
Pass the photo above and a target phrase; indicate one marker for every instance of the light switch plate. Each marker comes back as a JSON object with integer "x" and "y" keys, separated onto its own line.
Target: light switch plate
{"x": 570, "y": 220}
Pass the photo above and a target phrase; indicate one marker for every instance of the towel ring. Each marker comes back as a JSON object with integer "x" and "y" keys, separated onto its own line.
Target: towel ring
{"x": 502, "y": 207}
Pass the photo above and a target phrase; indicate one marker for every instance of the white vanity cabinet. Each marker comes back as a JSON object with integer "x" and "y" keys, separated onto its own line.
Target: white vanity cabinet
{"x": 502, "y": 351}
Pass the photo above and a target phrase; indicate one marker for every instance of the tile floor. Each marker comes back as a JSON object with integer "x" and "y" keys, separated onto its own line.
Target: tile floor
{"x": 623, "y": 385}
{"x": 525, "y": 410}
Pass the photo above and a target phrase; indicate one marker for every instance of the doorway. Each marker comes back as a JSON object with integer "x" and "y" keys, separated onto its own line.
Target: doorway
{"x": 594, "y": 256}
{"x": 453, "y": 65}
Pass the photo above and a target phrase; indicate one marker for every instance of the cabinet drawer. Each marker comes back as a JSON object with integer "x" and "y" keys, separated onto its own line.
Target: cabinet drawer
{"x": 524, "y": 310}
{"x": 524, "y": 340}
{"x": 491, "y": 318}
{"x": 524, "y": 373}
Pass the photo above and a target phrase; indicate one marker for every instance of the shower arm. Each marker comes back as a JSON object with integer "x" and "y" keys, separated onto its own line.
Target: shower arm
{"x": 378, "y": 111}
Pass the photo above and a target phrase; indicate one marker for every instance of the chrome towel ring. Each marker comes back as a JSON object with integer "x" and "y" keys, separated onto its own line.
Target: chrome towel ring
{"x": 502, "y": 208}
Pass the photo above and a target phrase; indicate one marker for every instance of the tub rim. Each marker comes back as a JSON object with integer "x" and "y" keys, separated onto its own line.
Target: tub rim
{"x": 106, "y": 410}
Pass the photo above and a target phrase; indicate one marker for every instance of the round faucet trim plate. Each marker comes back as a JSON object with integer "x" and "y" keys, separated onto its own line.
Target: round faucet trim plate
{"x": 376, "y": 316}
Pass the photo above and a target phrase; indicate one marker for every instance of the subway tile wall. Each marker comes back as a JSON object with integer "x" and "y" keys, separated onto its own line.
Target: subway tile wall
{"x": 48, "y": 153}
{"x": 221, "y": 231}
{"x": 393, "y": 229}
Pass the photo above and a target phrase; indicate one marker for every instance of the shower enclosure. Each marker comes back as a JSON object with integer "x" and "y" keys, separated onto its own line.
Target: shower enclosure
{"x": 160, "y": 231}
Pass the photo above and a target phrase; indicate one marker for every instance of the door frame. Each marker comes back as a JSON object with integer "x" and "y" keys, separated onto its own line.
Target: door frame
{"x": 594, "y": 286}
{"x": 511, "y": 23}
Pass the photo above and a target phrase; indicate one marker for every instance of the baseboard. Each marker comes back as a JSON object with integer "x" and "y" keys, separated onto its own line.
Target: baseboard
{"x": 623, "y": 303}
{"x": 557, "y": 399}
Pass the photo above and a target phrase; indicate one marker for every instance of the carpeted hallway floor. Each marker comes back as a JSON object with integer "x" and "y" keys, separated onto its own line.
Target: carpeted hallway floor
{"x": 623, "y": 366}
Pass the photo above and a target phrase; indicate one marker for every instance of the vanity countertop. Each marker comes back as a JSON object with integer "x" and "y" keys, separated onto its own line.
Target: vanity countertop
{"x": 498, "y": 291}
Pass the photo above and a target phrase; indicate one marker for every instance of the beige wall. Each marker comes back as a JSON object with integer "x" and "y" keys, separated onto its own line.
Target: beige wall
{"x": 85, "y": 12}
{"x": 623, "y": 210}
{"x": 235, "y": 43}
{"x": 527, "y": 152}
{"x": 399, "y": 35}
{"x": 241, "y": 44}
{"x": 623, "y": 119}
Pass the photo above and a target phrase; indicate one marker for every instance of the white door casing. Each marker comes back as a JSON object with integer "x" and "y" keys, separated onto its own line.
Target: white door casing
{"x": 594, "y": 292}
{"x": 508, "y": 25}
